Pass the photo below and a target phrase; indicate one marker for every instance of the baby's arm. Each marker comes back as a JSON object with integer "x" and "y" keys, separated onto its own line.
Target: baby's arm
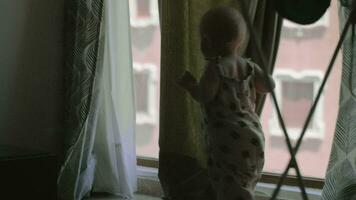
{"x": 262, "y": 82}
{"x": 189, "y": 83}
{"x": 206, "y": 89}
{"x": 209, "y": 84}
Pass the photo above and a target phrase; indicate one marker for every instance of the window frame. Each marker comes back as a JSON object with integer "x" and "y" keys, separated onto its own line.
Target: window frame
{"x": 267, "y": 177}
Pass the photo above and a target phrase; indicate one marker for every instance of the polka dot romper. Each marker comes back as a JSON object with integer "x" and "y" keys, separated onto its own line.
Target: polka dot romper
{"x": 235, "y": 140}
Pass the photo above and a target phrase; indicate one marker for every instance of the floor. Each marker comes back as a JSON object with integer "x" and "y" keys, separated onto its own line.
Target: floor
{"x": 137, "y": 197}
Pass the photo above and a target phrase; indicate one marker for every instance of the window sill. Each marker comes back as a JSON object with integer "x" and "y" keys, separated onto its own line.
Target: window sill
{"x": 147, "y": 172}
{"x": 148, "y": 184}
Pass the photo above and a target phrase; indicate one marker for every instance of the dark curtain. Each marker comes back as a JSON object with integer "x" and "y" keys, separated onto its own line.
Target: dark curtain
{"x": 268, "y": 25}
{"x": 83, "y": 19}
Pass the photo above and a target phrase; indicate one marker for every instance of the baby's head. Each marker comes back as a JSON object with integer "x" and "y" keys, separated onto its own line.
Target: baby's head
{"x": 222, "y": 31}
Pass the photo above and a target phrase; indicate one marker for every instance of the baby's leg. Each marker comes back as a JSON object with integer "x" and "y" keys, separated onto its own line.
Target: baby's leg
{"x": 234, "y": 168}
{"x": 235, "y": 192}
{"x": 227, "y": 185}
{"x": 235, "y": 161}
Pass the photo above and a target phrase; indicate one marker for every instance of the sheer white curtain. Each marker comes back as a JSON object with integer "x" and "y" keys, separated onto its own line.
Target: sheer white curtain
{"x": 115, "y": 137}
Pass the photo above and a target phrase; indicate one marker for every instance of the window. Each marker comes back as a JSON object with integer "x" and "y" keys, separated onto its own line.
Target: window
{"x": 300, "y": 66}
{"x": 146, "y": 90}
{"x": 295, "y": 93}
{"x": 145, "y": 40}
{"x": 145, "y": 77}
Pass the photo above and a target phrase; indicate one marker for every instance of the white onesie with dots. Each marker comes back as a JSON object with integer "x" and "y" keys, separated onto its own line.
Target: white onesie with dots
{"x": 235, "y": 140}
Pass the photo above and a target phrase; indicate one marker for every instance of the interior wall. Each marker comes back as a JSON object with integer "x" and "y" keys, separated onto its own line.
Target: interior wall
{"x": 31, "y": 73}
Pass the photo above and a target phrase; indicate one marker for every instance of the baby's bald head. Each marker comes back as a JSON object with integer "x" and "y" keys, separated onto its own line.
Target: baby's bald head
{"x": 221, "y": 29}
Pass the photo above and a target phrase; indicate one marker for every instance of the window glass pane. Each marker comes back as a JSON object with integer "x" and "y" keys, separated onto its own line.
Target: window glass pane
{"x": 145, "y": 38}
{"x": 141, "y": 91}
{"x": 303, "y": 56}
{"x": 297, "y": 97}
{"x": 143, "y": 8}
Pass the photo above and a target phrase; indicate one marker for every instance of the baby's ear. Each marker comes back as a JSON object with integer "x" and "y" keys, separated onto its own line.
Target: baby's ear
{"x": 188, "y": 77}
{"x": 242, "y": 45}
{"x": 206, "y": 45}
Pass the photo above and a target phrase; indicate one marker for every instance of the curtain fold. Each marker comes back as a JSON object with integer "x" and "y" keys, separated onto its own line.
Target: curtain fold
{"x": 182, "y": 169}
{"x": 267, "y": 25}
{"x": 100, "y": 113}
{"x": 340, "y": 181}
{"x": 82, "y": 42}
{"x": 115, "y": 142}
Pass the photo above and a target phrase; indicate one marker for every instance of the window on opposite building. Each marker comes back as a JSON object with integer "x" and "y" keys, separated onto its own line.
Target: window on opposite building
{"x": 295, "y": 92}
{"x": 145, "y": 40}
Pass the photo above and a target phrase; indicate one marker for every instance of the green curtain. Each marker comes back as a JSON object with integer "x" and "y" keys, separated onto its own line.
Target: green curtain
{"x": 182, "y": 167}
{"x": 268, "y": 25}
{"x": 340, "y": 181}
{"x": 81, "y": 54}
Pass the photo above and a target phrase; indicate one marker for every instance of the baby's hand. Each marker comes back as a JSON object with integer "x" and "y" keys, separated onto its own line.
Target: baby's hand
{"x": 187, "y": 81}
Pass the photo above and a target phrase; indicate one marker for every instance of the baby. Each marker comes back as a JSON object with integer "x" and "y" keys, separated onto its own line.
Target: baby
{"x": 227, "y": 94}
